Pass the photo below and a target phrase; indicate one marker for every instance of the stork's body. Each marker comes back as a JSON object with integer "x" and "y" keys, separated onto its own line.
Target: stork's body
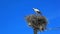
{"x": 37, "y": 11}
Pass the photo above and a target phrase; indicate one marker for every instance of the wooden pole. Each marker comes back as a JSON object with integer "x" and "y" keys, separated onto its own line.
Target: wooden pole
{"x": 35, "y": 31}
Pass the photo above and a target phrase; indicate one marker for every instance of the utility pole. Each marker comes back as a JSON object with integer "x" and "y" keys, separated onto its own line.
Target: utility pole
{"x": 35, "y": 31}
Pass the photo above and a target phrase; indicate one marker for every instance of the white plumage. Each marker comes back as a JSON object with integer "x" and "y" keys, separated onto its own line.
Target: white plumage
{"x": 37, "y": 11}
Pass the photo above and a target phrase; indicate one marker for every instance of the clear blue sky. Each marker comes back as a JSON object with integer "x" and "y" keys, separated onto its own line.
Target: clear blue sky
{"x": 12, "y": 14}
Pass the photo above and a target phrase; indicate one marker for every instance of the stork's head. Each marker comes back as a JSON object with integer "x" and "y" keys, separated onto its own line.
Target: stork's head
{"x": 34, "y": 8}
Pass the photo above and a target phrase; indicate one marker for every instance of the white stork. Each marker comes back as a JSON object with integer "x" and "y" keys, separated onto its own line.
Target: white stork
{"x": 37, "y": 11}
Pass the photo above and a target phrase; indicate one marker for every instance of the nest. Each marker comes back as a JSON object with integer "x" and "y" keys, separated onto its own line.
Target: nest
{"x": 37, "y": 22}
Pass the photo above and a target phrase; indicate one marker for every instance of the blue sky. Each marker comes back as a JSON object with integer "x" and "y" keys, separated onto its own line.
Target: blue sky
{"x": 12, "y": 13}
